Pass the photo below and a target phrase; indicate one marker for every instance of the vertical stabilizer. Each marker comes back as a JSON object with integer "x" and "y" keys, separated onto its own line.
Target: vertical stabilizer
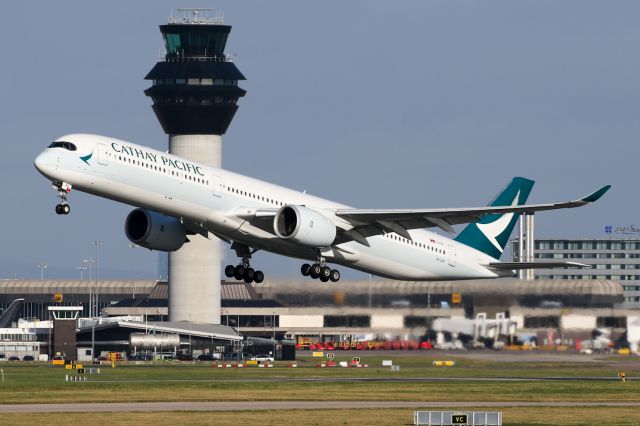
{"x": 491, "y": 234}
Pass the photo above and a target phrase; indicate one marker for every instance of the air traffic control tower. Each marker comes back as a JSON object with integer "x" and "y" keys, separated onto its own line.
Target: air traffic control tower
{"x": 195, "y": 93}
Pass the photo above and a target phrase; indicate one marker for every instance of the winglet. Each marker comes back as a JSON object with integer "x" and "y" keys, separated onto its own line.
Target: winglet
{"x": 596, "y": 195}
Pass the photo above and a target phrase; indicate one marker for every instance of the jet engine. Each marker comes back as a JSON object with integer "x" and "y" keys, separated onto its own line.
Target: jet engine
{"x": 305, "y": 226}
{"x": 154, "y": 230}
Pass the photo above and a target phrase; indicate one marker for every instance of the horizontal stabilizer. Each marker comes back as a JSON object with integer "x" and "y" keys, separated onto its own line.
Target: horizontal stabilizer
{"x": 535, "y": 265}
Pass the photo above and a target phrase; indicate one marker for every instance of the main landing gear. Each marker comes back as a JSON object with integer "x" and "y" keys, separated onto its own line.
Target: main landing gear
{"x": 243, "y": 271}
{"x": 63, "y": 189}
{"x": 320, "y": 270}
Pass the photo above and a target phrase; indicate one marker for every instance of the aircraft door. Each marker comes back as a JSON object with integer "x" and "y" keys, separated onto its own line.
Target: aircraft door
{"x": 102, "y": 154}
{"x": 217, "y": 186}
{"x": 452, "y": 255}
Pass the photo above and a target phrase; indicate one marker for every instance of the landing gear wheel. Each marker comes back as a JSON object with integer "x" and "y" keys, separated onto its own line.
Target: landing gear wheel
{"x": 248, "y": 275}
{"x": 335, "y": 275}
{"x": 325, "y": 272}
{"x": 239, "y": 272}
{"x": 305, "y": 269}
{"x": 314, "y": 271}
{"x": 63, "y": 189}
{"x": 244, "y": 272}
{"x": 230, "y": 271}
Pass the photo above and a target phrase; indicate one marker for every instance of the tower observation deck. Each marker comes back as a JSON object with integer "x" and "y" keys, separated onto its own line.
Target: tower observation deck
{"x": 195, "y": 86}
{"x": 195, "y": 96}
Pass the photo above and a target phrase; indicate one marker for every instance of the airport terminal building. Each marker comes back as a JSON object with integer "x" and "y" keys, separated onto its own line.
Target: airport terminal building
{"x": 615, "y": 259}
{"x": 298, "y": 310}
{"x": 559, "y": 306}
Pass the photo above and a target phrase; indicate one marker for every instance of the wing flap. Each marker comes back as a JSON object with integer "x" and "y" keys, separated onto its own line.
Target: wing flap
{"x": 535, "y": 265}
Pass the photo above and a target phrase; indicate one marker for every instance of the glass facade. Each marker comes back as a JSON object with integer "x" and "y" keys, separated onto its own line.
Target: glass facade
{"x": 194, "y": 42}
{"x": 616, "y": 259}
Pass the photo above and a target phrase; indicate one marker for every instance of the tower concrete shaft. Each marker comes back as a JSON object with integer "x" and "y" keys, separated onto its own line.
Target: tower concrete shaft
{"x": 194, "y": 270}
{"x": 195, "y": 93}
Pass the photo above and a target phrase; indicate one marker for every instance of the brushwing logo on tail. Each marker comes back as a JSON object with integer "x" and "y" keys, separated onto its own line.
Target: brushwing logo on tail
{"x": 493, "y": 229}
{"x": 491, "y": 233}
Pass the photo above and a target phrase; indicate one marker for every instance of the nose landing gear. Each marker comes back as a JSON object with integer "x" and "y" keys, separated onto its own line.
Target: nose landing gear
{"x": 321, "y": 271}
{"x": 63, "y": 208}
{"x": 63, "y": 189}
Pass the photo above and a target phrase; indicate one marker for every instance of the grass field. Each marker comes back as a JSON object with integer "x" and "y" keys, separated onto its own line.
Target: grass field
{"x": 30, "y": 383}
{"x": 511, "y": 416}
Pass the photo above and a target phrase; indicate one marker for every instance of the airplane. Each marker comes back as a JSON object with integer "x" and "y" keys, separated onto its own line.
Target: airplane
{"x": 175, "y": 199}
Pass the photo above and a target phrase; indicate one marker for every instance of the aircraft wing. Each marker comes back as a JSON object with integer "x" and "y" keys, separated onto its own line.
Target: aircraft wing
{"x": 358, "y": 224}
{"x": 366, "y": 223}
{"x": 260, "y": 218}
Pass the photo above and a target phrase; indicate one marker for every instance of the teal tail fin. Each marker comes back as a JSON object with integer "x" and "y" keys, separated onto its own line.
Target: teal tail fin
{"x": 491, "y": 234}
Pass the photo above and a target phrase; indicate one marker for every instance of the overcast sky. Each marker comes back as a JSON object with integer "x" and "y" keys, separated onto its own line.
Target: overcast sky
{"x": 373, "y": 104}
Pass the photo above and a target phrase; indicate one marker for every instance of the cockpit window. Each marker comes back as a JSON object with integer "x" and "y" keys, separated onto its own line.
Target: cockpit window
{"x": 66, "y": 145}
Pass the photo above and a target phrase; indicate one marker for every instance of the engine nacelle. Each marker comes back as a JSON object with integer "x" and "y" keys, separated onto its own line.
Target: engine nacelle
{"x": 154, "y": 230}
{"x": 305, "y": 226}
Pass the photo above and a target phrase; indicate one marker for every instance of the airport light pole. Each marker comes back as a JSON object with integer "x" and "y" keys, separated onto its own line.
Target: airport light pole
{"x": 97, "y": 243}
{"x": 133, "y": 263}
{"x": 90, "y": 261}
{"x": 42, "y": 267}
{"x": 81, "y": 268}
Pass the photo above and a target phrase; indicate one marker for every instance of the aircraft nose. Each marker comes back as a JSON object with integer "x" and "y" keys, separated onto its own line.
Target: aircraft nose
{"x": 39, "y": 162}
{"x": 44, "y": 162}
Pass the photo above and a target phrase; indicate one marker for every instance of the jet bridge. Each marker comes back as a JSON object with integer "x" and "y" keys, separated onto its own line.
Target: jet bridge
{"x": 483, "y": 330}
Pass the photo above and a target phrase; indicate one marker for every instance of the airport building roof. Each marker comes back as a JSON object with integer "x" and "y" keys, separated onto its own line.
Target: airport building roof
{"x": 151, "y": 289}
{"x": 240, "y": 291}
{"x": 510, "y": 286}
{"x": 75, "y": 286}
{"x": 215, "y": 331}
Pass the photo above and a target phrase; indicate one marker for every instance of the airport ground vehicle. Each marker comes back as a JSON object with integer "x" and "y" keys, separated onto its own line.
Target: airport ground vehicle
{"x": 141, "y": 357}
{"x": 185, "y": 357}
{"x": 263, "y": 358}
{"x": 207, "y": 357}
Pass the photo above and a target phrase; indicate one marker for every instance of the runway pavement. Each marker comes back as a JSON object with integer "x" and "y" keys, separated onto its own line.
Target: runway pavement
{"x": 487, "y": 355}
{"x": 374, "y": 379}
{"x": 282, "y": 405}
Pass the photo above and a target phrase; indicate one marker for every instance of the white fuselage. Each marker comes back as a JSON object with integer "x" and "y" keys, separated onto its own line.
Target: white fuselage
{"x": 215, "y": 198}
